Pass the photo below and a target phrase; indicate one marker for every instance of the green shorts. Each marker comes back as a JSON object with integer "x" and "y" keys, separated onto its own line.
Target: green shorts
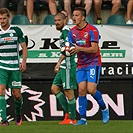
{"x": 66, "y": 78}
{"x": 11, "y": 79}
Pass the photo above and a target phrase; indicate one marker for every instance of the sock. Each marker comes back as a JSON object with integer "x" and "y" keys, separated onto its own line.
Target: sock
{"x": 82, "y": 106}
{"x": 3, "y": 108}
{"x": 72, "y": 108}
{"x": 18, "y": 106}
{"x": 98, "y": 97}
{"x": 63, "y": 101}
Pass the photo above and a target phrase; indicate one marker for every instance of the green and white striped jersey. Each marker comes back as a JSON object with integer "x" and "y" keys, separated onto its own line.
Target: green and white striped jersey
{"x": 9, "y": 47}
{"x": 69, "y": 62}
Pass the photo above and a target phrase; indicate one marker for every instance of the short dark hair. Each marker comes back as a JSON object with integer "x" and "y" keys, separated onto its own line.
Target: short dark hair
{"x": 61, "y": 14}
{"x": 83, "y": 11}
{"x": 4, "y": 11}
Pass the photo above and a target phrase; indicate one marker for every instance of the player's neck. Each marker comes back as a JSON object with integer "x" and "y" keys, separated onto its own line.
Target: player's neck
{"x": 82, "y": 25}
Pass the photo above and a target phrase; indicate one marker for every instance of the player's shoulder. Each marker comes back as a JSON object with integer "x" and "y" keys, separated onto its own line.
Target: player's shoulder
{"x": 74, "y": 27}
{"x": 14, "y": 27}
{"x": 92, "y": 27}
{"x": 65, "y": 28}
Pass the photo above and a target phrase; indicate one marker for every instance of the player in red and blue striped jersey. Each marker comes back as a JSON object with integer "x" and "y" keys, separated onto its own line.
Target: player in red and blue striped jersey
{"x": 86, "y": 38}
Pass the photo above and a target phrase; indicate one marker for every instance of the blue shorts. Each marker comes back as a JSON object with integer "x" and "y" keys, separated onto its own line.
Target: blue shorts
{"x": 89, "y": 74}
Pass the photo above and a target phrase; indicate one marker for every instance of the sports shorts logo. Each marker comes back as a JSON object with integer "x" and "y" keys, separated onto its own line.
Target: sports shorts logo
{"x": 14, "y": 83}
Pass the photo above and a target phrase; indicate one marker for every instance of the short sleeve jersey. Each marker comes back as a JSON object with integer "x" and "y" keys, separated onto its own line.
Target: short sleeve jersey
{"x": 69, "y": 62}
{"x": 83, "y": 38}
{"x": 9, "y": 47}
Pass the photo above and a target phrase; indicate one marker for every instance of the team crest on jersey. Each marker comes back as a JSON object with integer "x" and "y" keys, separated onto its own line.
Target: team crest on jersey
{"x": 85, "y": 34}
{"x": 11, "y": 34}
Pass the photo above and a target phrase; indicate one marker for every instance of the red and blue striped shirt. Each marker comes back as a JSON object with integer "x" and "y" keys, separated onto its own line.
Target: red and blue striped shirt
{"x": 83, "y": 38}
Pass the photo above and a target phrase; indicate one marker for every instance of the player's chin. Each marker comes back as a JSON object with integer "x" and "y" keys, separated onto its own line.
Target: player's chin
{"x": 3, "y": 24}
{"x": 58, "y": 28}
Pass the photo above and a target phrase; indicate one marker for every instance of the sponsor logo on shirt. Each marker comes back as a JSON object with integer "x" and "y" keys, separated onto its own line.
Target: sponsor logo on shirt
{"x": 7, "y": 38}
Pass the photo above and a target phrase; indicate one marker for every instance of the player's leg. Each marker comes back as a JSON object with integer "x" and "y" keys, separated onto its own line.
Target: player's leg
{"x": 16, "y": 85}
{"x": 71, "y": 107}
{"x": 3, "y": 106}
{"x": 55, "y": 88}
{"x": 68, "y": 77}
{"x": 71, "y": 83}
{"x": 93, "y": 78}
{"x": 82, "y": 100}
{"x": 3, "y": 82}
{"x": 18, "y": 100}
{"x": 60, "y": 96}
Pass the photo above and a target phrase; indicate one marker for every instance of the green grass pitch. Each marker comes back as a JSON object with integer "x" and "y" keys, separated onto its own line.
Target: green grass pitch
{"x": 93, "y": 126}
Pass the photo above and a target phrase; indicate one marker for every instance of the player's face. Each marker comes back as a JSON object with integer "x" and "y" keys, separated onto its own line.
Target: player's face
{"x": 4, "y": 20}
{"x": 77, "y": 17}
{"x": 59, "y": 22}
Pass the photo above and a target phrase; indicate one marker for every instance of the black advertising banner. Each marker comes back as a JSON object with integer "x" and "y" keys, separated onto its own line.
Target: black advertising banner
{"x": 45, "y": 71}
{"x": 41, "y": 104}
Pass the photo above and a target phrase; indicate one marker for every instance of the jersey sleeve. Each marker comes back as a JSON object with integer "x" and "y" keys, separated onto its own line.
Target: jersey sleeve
{"x": 70, "y": 39}
{"x": 65, "y": 35}
{"x": 21, "y": 37}
{"x": 94, "y": 34}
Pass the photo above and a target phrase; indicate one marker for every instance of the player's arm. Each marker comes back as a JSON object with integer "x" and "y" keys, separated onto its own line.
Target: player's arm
{"x": 22, "y": 42}
{"x": 94, "y": 39}
{"x": 24, "y": 56}
{"x": 93, "y": 49}
{"x": 57, "y": 67}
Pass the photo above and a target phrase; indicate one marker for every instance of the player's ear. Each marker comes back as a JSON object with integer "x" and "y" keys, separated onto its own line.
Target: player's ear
{"x": 83, "y": 17}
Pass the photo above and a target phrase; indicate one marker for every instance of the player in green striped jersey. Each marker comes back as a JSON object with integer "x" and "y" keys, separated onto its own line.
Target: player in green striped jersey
{"x": 10, "y": 67}
{"x": 66, "y": 75}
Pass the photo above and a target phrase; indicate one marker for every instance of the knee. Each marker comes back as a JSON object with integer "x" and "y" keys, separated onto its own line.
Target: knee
{"x": 2, "y": 90}
{"x": 69, "y": 94}
{"x": 82, "y": 92}
{"x": 54, "y": 89}
{"x": 17, "y": 94}
{"x": 92, "y": 91}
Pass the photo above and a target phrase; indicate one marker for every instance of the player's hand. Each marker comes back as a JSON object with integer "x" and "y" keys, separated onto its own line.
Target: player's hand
{"x": 75, "y": 50}
{"x": 57, "y": 68}
{"x": 22, "y": 66}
